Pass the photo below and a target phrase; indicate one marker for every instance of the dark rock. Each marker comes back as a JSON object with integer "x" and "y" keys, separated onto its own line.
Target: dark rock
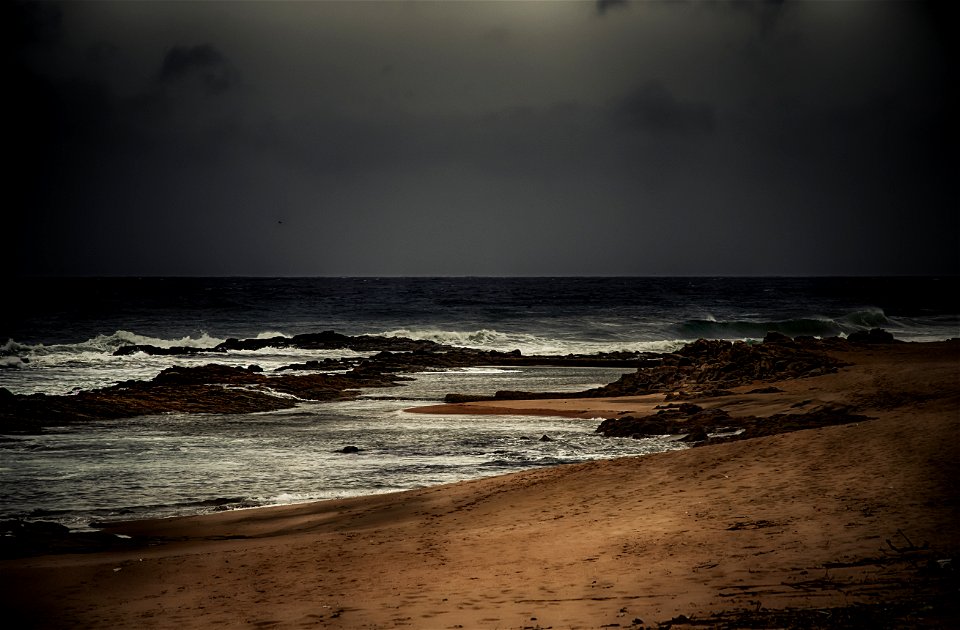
{"x": 28, "y": 538}
{"x": 712, "y": 366}
{"x": 324, "y": 365}
{"x": 210, "y": 373}
{"x": 254, "y": 344}
{"x": 702, "y": 369}
{"x": 697, "y": 425}
{"x": 685, "y": 408}
{"x": 454, "y": 399}
{"x": 874, "y": 335}
{"x": 766, "y": 390}
{"x": 776, "y": 337}
{"x": 349, "y": 449}
{"x": 646, "y": 426}
{"x": 546, "y": 438}
{"x": 211, "y": 388}
{"x": 678, "y": 419}
{"x": 697, "y": 434}
{"x": 330, "y": 340}
{"x": 156, "y": 350}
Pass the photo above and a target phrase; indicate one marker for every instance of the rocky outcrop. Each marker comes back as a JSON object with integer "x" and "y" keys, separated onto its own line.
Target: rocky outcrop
{"x": 705, "y": 368}
{"x": 216, "y": 388}
{"x": 20, "y": 538}
{"x": 696, "y": 423}
{"x": 211, "y": 388}
{"x": 702, "y": 368}
{"x": 671, "y": 420}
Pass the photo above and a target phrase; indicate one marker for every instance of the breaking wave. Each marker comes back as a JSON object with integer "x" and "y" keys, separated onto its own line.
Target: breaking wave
{"x": 526, "y": 343}
{"x": 8, "y": 363}
{"x": 816, "y": 325}
{"x": 106, "y": 344}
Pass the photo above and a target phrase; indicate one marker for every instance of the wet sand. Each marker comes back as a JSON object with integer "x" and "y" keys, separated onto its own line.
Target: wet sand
{"x": 857, "y": 519}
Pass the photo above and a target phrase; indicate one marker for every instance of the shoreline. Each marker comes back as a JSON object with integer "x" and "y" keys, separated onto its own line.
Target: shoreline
{"x": 855, "y": 519}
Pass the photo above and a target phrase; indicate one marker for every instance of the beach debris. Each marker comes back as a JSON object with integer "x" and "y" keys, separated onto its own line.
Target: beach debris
{"x": 759, "y": 524}
{"x": 909, "y": 548}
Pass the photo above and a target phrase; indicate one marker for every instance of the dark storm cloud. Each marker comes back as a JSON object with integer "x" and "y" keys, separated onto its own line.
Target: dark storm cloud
{"x": 102, "y": 53}
{"x": 765, "y": 12}
{"x": 603, "y": 6}
{"x": 482, "y": 138}
{"x": 31, "y": 24}
{"x": 652, "y": 107}
{"x": 202, "y": 60}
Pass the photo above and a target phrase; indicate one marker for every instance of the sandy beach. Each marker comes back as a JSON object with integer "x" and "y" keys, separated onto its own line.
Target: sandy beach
{"x": 843, "y": 526}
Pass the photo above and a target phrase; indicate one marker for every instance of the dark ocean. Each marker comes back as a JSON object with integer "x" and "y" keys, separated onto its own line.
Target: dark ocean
{"x": 58, "y": 336}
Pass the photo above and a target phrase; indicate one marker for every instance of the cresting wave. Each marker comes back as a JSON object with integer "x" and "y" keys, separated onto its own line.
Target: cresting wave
{"x": 106, "y": 344}
{"x": 818, "y": 326}
{"x": 815, "y": 325}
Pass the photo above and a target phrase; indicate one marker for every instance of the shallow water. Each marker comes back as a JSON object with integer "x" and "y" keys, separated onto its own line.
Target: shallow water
{"x": 181, "y": 464}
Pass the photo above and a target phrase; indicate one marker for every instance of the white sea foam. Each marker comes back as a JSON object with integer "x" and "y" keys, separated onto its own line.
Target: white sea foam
{"x": 108, "y": 344}
{"x": 7, "y": 363}
{"x": 9, "y": 347}
{"x": 270, "y": 334}
{"x": 528, "y": 344}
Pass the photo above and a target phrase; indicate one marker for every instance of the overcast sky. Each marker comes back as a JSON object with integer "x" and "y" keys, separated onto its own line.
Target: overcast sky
{"x": 482, "y": 138}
